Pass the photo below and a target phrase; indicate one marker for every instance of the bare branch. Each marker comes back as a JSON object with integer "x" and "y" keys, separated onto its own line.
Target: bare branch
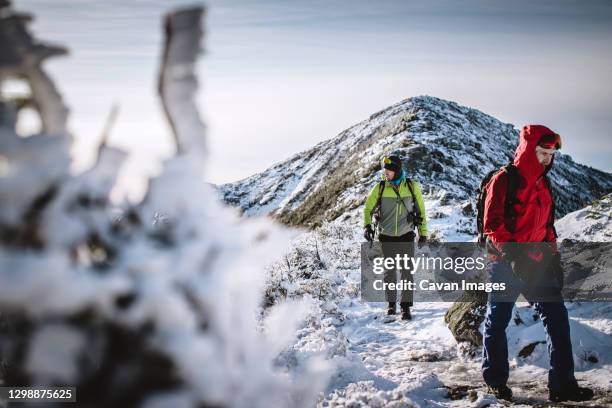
{"x": 177, "y": 81}
{"x": 21, "y": 56}
{"x": 110, "y": 121}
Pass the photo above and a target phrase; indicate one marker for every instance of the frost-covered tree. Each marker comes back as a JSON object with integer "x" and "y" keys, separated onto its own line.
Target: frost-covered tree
{"x": 152, "y": 304}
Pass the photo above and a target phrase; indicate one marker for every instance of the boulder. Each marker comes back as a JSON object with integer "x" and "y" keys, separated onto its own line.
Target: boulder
{"x": 465, "y": 316}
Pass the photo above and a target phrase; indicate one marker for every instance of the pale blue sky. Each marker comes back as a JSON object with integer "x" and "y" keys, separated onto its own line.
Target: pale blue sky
{"x": 280, "y": 76}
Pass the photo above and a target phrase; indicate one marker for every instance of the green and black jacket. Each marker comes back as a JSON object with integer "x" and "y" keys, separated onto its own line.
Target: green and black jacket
{"x": 393, "y": 219}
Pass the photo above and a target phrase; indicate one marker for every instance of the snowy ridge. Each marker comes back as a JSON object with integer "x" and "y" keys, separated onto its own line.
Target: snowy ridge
{"x": 449, "y": 148}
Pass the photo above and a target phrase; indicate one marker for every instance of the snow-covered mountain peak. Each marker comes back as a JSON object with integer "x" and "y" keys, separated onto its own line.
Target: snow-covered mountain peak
{"x": 448, "y": 148}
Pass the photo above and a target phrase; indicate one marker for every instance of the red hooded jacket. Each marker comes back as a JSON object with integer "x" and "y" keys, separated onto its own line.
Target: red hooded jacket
{"x": 534, "y": 207}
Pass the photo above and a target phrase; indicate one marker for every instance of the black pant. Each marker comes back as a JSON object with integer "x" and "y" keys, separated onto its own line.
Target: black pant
{"x": 495, "y": 367}
{"x": 390, "y": 251}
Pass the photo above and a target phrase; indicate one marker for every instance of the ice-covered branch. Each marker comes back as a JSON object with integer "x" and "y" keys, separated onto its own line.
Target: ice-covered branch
{"x": 151, "y": 304}
{"x": 21, "y": 56}
{"x": 177, "y": 81}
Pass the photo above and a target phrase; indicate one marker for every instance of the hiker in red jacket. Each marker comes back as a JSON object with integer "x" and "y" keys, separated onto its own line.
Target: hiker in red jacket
{"x": 528, "y": 216}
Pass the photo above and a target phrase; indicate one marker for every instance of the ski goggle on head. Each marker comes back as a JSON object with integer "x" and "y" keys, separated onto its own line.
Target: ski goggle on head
{"x": 550, "y": 141}
{"x": 391, "y": 163}
{"x": 385, "y": 161}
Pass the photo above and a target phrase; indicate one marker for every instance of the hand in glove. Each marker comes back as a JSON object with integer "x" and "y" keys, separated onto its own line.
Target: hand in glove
{"x": 512, "y": 252}
{"x": 531, "y": 265}
{"x": 368, "y": 233}
{"x": 556, "y": 270}
{"x": 422, "y": 241}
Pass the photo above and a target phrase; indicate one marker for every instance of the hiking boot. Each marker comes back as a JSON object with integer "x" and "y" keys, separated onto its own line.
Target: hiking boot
{"x": 406, "y": 314}
{"x": 391, "y": 310}
{"x": 574, "y": 393}
{"x": 501, "y": 392}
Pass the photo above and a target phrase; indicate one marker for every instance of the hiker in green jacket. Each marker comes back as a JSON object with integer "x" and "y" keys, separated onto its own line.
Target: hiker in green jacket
{"x": 396, "y": 205}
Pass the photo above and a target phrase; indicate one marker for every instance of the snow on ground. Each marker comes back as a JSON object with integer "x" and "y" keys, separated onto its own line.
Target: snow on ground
{"x": 379, "y": 363}
{"x": 417, "y": 362}
{"x": 590, "y": 223}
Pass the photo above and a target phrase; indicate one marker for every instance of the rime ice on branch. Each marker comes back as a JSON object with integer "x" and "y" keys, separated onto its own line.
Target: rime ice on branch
{"x": 150, "y": 304}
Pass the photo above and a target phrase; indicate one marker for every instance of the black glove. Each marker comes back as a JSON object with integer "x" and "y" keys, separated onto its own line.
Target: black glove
{"x": 556, "y": 270}
{"x": 527, "y": 270}
{"x": 422, "y": 241}
{"x": 512, "y": 252}
{"x": 368, "y": 233}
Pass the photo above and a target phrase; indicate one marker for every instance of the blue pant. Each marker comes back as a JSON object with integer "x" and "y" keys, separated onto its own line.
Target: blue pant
{"x": 495, "y": 368}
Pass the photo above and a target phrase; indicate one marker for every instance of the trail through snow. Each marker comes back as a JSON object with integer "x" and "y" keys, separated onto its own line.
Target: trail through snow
{"x": 381, "y": 363}
{"x": 417, "y": 363}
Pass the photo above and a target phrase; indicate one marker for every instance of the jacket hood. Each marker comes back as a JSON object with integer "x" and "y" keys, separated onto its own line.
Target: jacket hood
{"x": 525, "y": 156}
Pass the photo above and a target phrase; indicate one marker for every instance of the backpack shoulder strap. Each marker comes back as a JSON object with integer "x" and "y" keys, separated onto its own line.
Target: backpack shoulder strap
{"x": 514, "y": 181}
{"x": 514, "y": 178}
{"x": 411, "y": 189}
{"x": 416, "y": 211}
{"x": 409, "y": 186}
{"x": 512, "y": 186}
{"x": 381, "y": 188}
{"x": 551, "y": 217}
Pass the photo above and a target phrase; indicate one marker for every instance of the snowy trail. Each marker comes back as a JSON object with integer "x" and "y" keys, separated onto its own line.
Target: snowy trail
{"x": 416, "y": 363}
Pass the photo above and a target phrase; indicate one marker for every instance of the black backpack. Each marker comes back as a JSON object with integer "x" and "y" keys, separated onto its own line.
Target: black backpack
{"x": 514, "y": 182}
